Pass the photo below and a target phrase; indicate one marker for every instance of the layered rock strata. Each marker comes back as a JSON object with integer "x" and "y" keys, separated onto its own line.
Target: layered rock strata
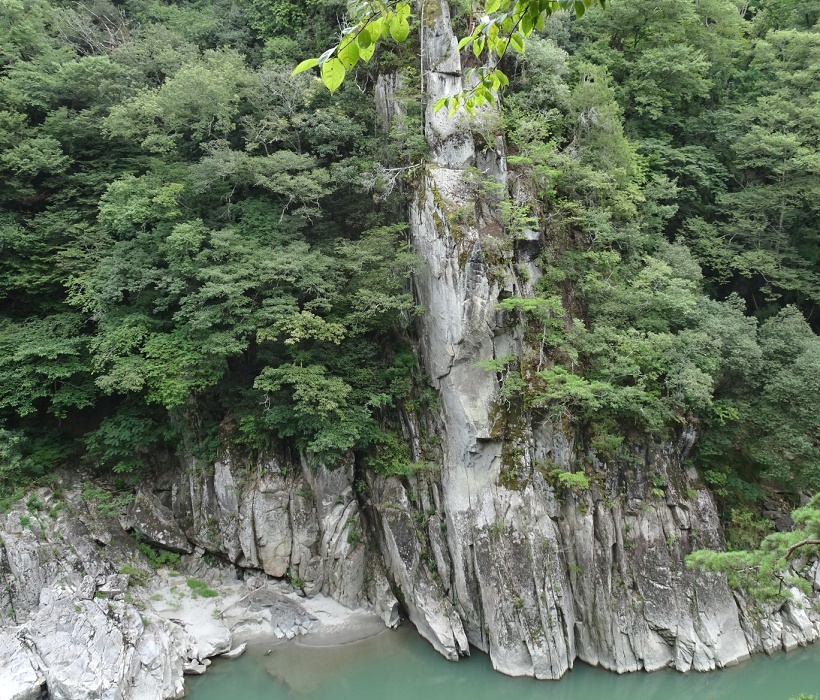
{"x": 91, "y": 613}
{"x": 535, "y": 580}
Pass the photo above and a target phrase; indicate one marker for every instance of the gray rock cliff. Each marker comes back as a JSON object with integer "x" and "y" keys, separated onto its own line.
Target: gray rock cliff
{"x": 538, "y": 581}
{"x": 90, "y": 616}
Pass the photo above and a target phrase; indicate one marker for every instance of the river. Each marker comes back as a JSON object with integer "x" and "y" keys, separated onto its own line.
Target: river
{"x": 400, "y": 665}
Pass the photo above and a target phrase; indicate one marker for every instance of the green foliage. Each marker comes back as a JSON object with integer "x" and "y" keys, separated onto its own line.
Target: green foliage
{"x": 745, "y": 529}
{"x": 25, "y": 460}
{"x": 200, "y": 589}
{"x": 353, "y": 537}
{"x": 572, "y": 481}
{"x": 767, "y": 572}
{"x": 296, "y": 581}
{"x": 772, "y": 393}
{"x": 34, "y": 504}
{"x": 157, "y": 559}
{"x": 201, "y": 101}
{"x": 276, "y": 17}
{"x": 389, "y": 455}
{"x": 188, "y": 245}
{"x": 496, "y": 530}
{"x": 136, "y": 576}
{"x": 719, "y": 101}
{"x": 44, "y": 360}
{"x": 124, "y": 441}
{"x": 200, "y": 245}
{"x": 644, "y": 226}
{"x": 504, "y": 25}
{"x": 104, "y": 502}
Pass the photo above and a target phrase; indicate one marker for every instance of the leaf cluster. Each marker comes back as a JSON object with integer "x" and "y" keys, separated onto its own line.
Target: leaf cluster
{"x": 504, "y": 24}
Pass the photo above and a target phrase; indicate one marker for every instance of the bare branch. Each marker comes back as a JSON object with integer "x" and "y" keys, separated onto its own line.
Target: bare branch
{"x": 802, "y": 543}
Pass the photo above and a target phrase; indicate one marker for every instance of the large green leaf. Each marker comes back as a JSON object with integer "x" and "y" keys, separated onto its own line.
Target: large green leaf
{"x": 307, "y": 64}
{"x": 366, "y": 52}
{"x": 349, "y": 53}
{"x": 333, "y": 74}
{"x": 399, "y": 29}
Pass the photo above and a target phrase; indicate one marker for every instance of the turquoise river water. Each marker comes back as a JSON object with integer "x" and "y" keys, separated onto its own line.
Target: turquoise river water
{"x": 400, "y": 665}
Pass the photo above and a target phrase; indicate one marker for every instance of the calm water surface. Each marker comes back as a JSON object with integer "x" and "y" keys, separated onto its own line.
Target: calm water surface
{"x": 400, "y": 665}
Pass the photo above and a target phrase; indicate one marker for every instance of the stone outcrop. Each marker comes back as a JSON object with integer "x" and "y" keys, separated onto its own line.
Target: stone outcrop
{"x": 100, "y": 649}
{"x": 402, "y": 540}
{"x": 536, "y": 578}
{"x": 73, "y": 631}
{"x": 155, "y": 523}
{"x": 283, "y": 517}
{"x": 782, "y": 627}
{"x": 486, "y": 552}
{"x": 20, "y": 672}
{"x": 91, "y": 619}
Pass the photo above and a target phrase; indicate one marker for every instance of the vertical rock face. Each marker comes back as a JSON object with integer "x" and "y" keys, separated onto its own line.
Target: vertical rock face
{"x": 535, "y": 580}
{"x": 156, "y": 523}
{"x": 287, "y": 519}
{"x": 404, "y": 533}
{"x": 637, "y": 604}
{"x": 21, "y": 677}
{"x": 70, "y": 629}
{"x": 85, "y": 615}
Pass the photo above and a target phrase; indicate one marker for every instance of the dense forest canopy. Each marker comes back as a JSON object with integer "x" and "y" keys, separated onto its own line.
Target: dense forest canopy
{"x": 199, "y": 248}
{"x": 188, "y": 246}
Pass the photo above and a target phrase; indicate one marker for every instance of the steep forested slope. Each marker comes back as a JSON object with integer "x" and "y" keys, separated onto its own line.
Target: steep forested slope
{"x": 673, "y": 148}
{"x": 198, "y": 249}
{"x": 191, "y": 239}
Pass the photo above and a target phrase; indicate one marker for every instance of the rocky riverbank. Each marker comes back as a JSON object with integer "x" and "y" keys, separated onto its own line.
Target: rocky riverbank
{"x": 97, "y": 605}
{"x": 91, "y": 611}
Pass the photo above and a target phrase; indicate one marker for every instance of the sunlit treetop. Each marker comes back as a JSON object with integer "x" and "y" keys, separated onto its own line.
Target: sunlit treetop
{"x": 504, "y": 24}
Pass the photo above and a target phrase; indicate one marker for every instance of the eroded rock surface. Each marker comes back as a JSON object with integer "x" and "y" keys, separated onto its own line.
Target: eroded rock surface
{"x": 155, "y": 523}
{"x": 21, "y": 679}
{"x": 284, "y": 518}
{"x": 90, "y": 619}
{"x": 536, "y": 578}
